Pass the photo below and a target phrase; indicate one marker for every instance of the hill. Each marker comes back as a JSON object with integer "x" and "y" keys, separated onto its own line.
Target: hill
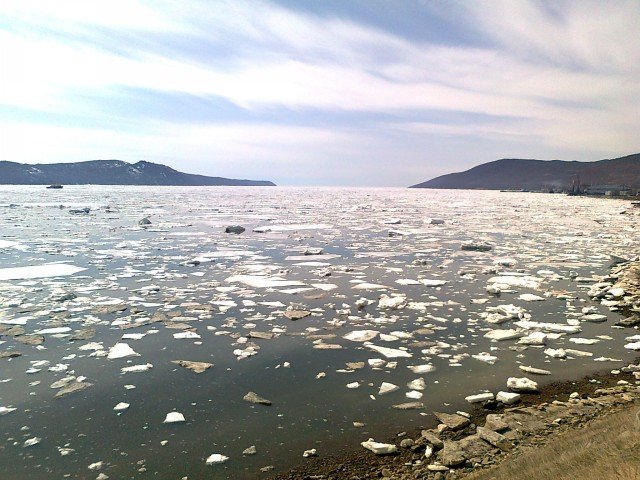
{"x": 520, "y": 174}
{"x": 109, "y": 172}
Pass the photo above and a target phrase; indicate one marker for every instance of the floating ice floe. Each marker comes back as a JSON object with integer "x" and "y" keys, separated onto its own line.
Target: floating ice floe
{"x": 555, "y": 353}
{"x": 486, "y": 358}
{"x": 361, "y": 335}
{"x": 433, "y": 283}
{"x": 174, "y": 417}
{"x": 420, "y": 369}
{"x": 392, "y": 302}
{"x": 187, "y": 334}
{"x": 417, "y": 384}
{"x": 530, "y": 297}
{"x": 39, "y": 271}
{"x": 533, "y": 370}
{"x": 388, "y": 352}
{"x": 500, "y": 335}
{"x": 121, "y": 350}
{"x": 259, "y": 281}
{"x": 506, "y": 281}
{"x": 216, "y": 458}
{"x": 31, "y": 442}
{"x": 386, "y": 387}
{"x": 137, "y": 368}
{"x": 480, "y": 397}
{"x": 548, "y": 327}
{"x": 6, "y": 410}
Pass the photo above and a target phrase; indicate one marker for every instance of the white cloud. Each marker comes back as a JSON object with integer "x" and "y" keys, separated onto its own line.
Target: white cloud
{"x": 565, "y": 76}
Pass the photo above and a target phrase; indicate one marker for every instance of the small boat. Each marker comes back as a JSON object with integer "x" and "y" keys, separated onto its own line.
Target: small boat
{"x": 55, "y": 186}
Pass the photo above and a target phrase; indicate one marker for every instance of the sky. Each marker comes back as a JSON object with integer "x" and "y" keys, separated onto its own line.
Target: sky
{"x": 332, "y": 92}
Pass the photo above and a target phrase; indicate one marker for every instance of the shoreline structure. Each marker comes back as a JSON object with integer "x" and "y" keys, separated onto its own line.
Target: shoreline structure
{"x": 457, "y": 446}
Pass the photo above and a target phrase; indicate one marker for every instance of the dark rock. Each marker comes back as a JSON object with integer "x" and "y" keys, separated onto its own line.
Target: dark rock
{"x": 10, "y": 354}
{"x": 237, "y": 229}
{"x": 84, "y": 334}
{"x": 296, "y": 314}
{"x": 30, "y": 339}
{"x": 476, "y": 247}
{"x": 631, "y": 321}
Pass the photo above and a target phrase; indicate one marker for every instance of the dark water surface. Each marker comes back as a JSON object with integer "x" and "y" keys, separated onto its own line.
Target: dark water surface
{"x": 547, "y": 239}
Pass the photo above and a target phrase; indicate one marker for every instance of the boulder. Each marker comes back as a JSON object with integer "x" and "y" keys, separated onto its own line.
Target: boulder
{"x": 496, "y": 423}
{"x": 494, "y": 438}
{"x": 236, "y": 229}
{"x": 432, "y": 439}
{"x": 452, "y": 420}
{"x": 452, "y": 455}
{"x": 296, "y": 314}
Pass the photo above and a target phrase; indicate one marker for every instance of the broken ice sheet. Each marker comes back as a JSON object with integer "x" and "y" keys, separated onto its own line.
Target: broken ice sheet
{"x": 431, "y": 314}
{"x": 39, "y": 271}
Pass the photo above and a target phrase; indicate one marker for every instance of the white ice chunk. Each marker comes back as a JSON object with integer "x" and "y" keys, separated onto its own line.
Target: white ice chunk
{"x": 379, "y": 448}
{"x": 39, "y": 271}
{"x": 530, "y": 297}
{"x": 516, "y": 281}
{"x": 523, "y": 384}
{"x": 187, "y": 334}
{"x": 389, "y": 352}
{"x": 216, "y": 459}
{"x": 361, "y": 335}
{"x": 120, "y": 350}
{"x": 387, "y": 387}
{"x": 508, "y": 398}
{"x": 392, "y": 303}
{"x": 137, "y": 368}
{"x": 174, "y": 417}
{"x": 420, "y": 369}
{"x": 486, "y": 358}
{"x": 500, "y": 335}
{"x": 480, "y": 397}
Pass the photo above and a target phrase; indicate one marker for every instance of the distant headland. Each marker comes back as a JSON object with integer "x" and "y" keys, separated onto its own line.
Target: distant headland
{"x": 110, "y": 172}
{"x": 618, "y": 174}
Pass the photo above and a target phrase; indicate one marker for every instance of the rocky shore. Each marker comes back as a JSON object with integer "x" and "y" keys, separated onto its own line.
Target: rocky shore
{"x": 456, "y": 445}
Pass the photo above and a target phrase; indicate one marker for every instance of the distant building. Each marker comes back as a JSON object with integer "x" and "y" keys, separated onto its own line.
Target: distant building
{"x": 608, "y": 190}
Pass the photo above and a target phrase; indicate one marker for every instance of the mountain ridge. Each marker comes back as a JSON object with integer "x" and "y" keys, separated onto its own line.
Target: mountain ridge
{"x": 532, "y": 174}
{"x": 110, "y": 172}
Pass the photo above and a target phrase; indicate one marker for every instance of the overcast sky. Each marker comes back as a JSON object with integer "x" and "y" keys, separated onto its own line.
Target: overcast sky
{"x": 360, "y": 92}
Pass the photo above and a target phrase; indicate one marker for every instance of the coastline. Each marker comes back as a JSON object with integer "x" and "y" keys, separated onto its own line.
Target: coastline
{"x": 534, "y": 420}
